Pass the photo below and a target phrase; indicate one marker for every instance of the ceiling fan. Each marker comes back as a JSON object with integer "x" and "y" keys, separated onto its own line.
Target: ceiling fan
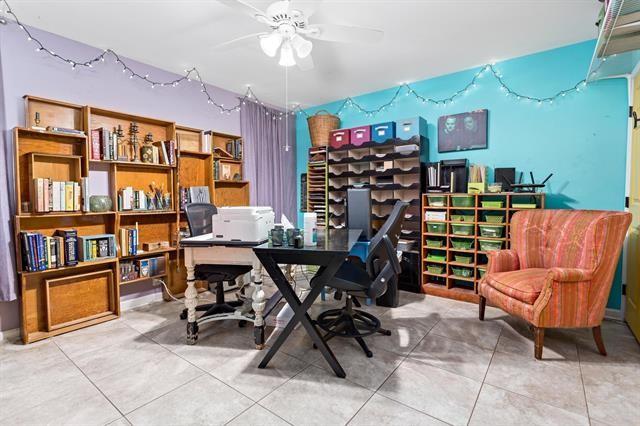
{"x": 290, "y": 31}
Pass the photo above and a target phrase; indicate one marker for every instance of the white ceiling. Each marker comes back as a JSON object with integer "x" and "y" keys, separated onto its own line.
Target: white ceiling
{"x": 423, "y": 38}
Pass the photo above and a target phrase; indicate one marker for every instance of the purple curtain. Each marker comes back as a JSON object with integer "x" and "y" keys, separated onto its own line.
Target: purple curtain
{"x": 8, "y": 278}
{"x": 270, "y": 158}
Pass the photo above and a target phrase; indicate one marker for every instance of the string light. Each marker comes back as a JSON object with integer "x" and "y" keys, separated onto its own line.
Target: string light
{"x": 193, "y": 73}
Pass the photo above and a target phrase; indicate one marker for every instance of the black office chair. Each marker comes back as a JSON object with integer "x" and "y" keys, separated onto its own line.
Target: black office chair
{"x": 199, "y": 217}
{"x": 371, "y": 279}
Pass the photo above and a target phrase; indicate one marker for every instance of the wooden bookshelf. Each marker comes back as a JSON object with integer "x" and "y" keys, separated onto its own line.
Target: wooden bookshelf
{"x": 447, "y": 283}
{"x": 63, "y": 299}
{"x": 317, "y": 184}
{"x": 230, "y": 187}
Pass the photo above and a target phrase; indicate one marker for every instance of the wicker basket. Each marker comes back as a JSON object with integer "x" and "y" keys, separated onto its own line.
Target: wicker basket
{"x": 320, "y": 125}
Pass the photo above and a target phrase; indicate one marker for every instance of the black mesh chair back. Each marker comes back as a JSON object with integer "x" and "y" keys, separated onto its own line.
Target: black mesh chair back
{"x": 390, "y": 230}
{"x": 199, "y": 217}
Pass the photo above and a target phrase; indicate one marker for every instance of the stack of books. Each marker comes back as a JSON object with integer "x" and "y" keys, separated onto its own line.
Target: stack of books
{"x": 234, "y": 148}
{"x": 104, "y": 144}
{"x": 129, "y": 241}
{"x": 94, "y": 247}
{"x": 40, "y": 252}
{"x": 54, "y": 196}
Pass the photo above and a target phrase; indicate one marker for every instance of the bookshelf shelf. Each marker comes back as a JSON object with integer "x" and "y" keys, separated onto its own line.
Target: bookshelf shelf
{"x": 46, "y": 133}
{"x": 146, "y": 212}
{"x": 149, "y": 253}
{"x": 134, "y": 164}
{"x": 448, "y": 283}
{"x": 195, "y": 153}
{"x": 137, "y": 280}
{"x": 80, "y": 265}
{"x": 231, "y": 182}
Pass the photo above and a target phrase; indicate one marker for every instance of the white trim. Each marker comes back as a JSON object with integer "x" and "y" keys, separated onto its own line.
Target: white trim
{"x": 636, "y": 70}
{"x": 9, "y": 335}
{"x": 126, "y": 305}
{"x": 614, "y": 314}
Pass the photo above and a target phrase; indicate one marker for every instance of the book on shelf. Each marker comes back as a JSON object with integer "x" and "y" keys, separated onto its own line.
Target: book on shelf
{"x": 234, "y": 148}
{"x": 65, "y": 130}
{"x": 134, "y": 269}
{"x": 205, "y": 145}
{"x": 95, "y": 247}
{"x": 139, "y": 200}
{"x": 41, "y": 252}
{"x": 55, "y": 196}
{"x": 129, "y": 241}
{"x": 104, "y": 144}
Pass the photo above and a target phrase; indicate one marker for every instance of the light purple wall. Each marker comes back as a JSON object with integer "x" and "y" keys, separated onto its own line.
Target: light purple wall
{"x": 25, "y": 71}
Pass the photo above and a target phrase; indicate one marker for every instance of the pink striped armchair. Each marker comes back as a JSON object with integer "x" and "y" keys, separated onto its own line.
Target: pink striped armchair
{"x": 559, "y": 270}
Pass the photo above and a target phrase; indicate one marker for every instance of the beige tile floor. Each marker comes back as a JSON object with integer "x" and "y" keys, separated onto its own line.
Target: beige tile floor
{"x": 440, "y": 366}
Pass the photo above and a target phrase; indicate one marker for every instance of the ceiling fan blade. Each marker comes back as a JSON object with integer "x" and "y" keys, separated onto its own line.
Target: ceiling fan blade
{"x": 306, "y": 63}
{"x": 307, "y": 7}
{"x": 247, "y": 9}
{"x": 344, "y": 33}
{"x": 239, "y": 39}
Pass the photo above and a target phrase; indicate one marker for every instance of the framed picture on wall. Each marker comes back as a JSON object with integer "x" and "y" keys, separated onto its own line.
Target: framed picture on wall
{"x": 464, "y": 131}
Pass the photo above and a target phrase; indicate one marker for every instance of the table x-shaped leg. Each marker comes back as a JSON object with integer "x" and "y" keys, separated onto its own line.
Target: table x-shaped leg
{"x": 300, "y": 309}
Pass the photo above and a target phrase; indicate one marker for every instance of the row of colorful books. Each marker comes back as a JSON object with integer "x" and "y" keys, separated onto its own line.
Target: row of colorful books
{"x": 105, "y": 145}
{"x": 40, "y": 252}
{"x": 57, "y": 196}
{"x": 95, "y": 247}
{"x": 129, "y": 241}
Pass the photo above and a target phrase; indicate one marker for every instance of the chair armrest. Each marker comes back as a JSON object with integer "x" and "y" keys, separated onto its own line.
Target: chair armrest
{"x": 570, "y": 274}
{"x": 502, "y": 261}
{"x": 392, "y": 254}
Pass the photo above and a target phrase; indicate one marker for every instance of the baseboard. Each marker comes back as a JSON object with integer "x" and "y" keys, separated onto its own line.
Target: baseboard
{"x": 613, "y": 314}
{"x": 9, "y": 335}
{"x": 126, "y": 305}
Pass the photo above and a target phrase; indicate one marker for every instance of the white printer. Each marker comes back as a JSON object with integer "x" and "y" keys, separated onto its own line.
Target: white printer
{"x": 243, "y": 224}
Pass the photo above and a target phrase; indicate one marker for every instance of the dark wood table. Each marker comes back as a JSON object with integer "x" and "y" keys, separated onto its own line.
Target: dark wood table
{"x": 333, "y": 248}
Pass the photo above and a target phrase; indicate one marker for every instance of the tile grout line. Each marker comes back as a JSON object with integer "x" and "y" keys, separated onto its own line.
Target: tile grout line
{"x": 485, "y": 376}
{"x": 90, "y": 381}
{"x": 584, "y": 390}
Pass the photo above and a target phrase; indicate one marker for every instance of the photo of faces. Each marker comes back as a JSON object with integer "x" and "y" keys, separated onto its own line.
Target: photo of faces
{"x": 461, "y": 132}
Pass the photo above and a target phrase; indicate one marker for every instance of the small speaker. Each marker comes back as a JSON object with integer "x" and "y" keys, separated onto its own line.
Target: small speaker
{"x": 359, "y": 211}
{"x": 506, "y": 176}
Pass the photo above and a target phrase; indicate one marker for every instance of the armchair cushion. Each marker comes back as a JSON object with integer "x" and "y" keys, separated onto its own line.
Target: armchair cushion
{"x": 524, "y": 285}
{"x": 502, "y": 261}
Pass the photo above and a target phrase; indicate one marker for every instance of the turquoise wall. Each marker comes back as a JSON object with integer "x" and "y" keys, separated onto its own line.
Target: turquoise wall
{"x": 581, "y": 138}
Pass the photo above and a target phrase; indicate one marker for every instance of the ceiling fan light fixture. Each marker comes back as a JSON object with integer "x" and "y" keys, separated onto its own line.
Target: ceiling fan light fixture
{"x": 286, "y": 55}
{"x": 301, "y": 45}
{"x": 270, "y": 43}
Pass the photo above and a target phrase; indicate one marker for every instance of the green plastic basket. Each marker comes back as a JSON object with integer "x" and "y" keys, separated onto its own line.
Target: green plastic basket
{"x": 523, "y": 206}
{"x": 493, "y": 231}
{"x": 494, "y": 218}
{"x": 462, "y": 229}
{"x": 465, "y": 244}
{"x": 437, "y": 227}
{"x": 462, "y": 217}
{"x": 481, "y": 272}
{"x": 492, "y": 204}
{"x": 462, "y": 200}
{"x": 462, "y": 272}
{"x": 463, "y": 258}
{"x": 489, "y": 245}
{"x": 437, "y": 200}
{"x": 435, "y": 269}
{"x": 436, "y": 257}
{"x": 435, "y": 243}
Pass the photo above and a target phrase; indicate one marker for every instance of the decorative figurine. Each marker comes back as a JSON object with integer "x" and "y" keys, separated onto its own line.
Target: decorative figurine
{"x": 122, "y": 143}
{"x": 146, "y": 152}
{"x": 133, "y": 140}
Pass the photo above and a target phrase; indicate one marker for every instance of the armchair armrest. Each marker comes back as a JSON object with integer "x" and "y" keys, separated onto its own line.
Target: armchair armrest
{"x": 502, "y": 261}
{"x": 570, "y": 274}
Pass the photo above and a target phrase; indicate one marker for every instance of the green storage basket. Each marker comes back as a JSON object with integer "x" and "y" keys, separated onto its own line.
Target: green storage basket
{"x": 492, "y": 204}
{"x": 481, "y": 272}
{"x": 435, "y": 243}
{"x": 435, "y": 269}
{"x": 494, "y": 218}
{"x": 490, "y": 245}
{"x": 437, "y": 227}
{"x": 523, "y": 206}
{"x": 437, "y": 200}
{"x": 462, "y": 229}
{"x": 463, "y": 244}
{"x": 436, "y": 257}
{"x": 462, "y": 217}
{"x": 462, "y": 272}
{"x": 462, "y": 200}
{"x": 463, "y": 258}
{"x": 493, "y": 231}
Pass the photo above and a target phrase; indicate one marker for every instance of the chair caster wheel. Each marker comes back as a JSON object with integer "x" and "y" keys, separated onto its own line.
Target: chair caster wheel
{"x": 183, "y": 315}
{"x": 242, "y": 323}
{"x": 369, "y": 354}
{"x": 315, "y": 346}
{"x": 387, "y": 332}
